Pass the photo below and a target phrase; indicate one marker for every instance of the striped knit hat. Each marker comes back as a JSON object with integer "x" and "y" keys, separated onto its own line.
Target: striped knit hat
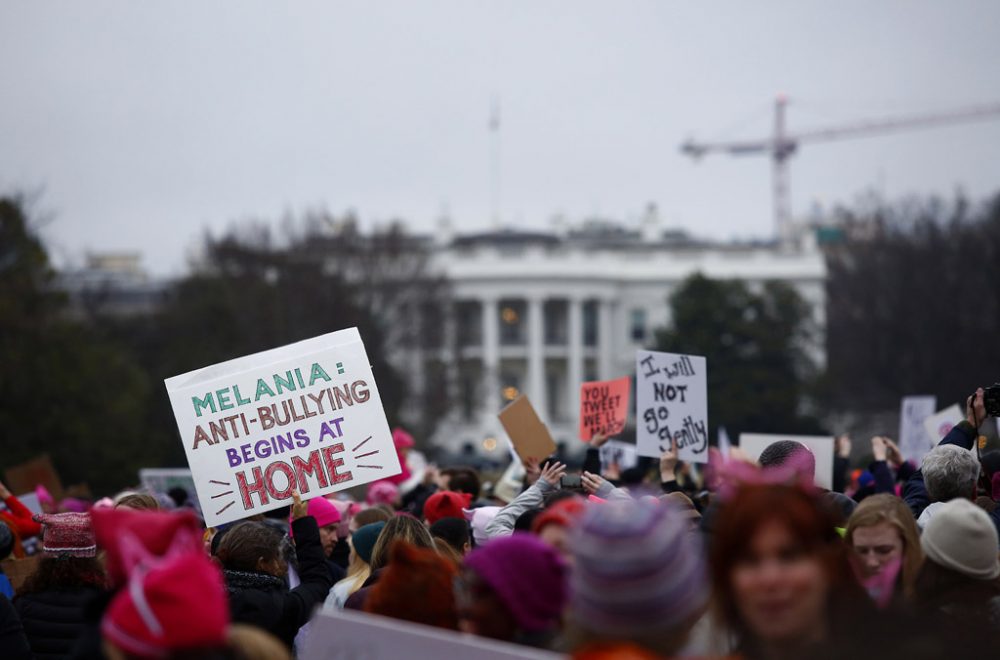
{"x": 67, "y": 535}
{"x": 638, "y": 568}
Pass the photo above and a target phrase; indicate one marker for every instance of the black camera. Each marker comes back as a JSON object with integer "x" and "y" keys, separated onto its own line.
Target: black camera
{"x": 991, "y": 400}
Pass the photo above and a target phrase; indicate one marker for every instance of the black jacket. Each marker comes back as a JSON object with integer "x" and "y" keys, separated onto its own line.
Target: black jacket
{"x": 54, "y": 620}
{"x": 13, "y": 643}
{"x": 264, "y": 601}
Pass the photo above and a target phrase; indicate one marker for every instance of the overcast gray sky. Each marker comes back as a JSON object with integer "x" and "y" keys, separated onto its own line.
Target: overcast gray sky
{"x": 146, "y": 122}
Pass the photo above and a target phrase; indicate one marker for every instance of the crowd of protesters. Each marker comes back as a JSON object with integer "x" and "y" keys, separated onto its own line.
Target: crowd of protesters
{"x": 748, "y": 559}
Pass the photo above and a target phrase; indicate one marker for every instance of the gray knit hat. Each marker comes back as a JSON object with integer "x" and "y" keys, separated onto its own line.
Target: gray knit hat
{"x": 638, "y": 568}
{"x": 962, "y": 537}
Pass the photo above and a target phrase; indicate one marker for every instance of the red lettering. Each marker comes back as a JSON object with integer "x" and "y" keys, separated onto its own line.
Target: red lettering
{"x": 284, "y": 468}
{"x": 314, "y": 467}
{"x": 333, "y": 463}
{"x": 246, "y": 490}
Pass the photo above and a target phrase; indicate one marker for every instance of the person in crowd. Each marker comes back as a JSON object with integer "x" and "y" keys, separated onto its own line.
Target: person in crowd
{"x": 638, "y": 576}
{"x": 514, "y": 589}
{"x": 6, "y": 548}
{"x": 533, "y": 497}
{"x": 254, "y": 572}
{"x": 455, "y": 533}
{"x": 341, "y": 555}
{"x": 958, "y": 582}
{"x": 445, "y": 504}
{"x": 795, "y": 455}
{"x": 479, "y": 520}
{"x": 416, "y": 586}
{"x": 552, "y": 524}
{"x": 946, "y": 472}
{"x": 368, "y": 516}
{"x": 171, "y": 606}
{"x": 13, "y": 642}
{"x": 328, "y": 520}
{"x": 19, "y": 519}
{"x": 383, "y": 493}
{"x": 136, "y": 501}
{"x": 781, "y": 574}
{"x": 362, "y": 542}
{"x": 401, "y": 527}
{"x": 52, "y": 600}
{"x": 885, "y": 538}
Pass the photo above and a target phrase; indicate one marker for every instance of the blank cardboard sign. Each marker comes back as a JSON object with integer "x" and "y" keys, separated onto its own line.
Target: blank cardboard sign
{"x": 753, "y": 444}
{"x": 530, "y": 436}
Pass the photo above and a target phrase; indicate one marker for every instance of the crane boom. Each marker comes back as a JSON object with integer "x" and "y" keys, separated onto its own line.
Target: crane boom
{"x": 780, "y": 146}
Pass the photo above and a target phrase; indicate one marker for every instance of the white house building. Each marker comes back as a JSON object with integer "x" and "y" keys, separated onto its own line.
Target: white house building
{"x": 540, "y": 313}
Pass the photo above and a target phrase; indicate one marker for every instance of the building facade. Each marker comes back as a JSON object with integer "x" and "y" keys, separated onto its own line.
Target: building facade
{"x": 540, "y": 313}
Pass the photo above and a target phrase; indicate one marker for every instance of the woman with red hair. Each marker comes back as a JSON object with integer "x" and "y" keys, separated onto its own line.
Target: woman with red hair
{"x": 782, "y": 579}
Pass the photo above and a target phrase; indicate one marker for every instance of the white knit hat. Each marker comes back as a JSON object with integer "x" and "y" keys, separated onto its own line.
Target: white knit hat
{"x": 962, "y": 537}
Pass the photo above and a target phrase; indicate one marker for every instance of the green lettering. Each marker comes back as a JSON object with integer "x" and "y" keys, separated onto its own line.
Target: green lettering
{"x": 286, "y": 383}
{"x": 317, "y": 373}
{"x": 240, "y": 401}
{"x": 262, "y": 389}
{"x": 199, "y": 404}
{"x": 222, "y": 396}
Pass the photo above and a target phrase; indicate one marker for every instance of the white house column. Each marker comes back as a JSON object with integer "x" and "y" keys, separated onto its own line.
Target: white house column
{"x": 536, "y": 358}
{"x": 574, "y": 369}
{"x": 605, "y": 343}
{"x": 491, "y": 356}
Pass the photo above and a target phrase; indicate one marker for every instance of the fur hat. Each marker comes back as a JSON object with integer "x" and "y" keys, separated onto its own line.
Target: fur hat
{"x": 417, "y": 586}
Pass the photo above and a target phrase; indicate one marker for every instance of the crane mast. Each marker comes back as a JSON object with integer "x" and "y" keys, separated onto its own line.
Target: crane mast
{"x": 782, "y": 145}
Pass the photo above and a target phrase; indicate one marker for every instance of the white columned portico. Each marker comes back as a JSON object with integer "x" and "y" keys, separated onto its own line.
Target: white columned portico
{"x": 536, "y": 358}
{"x": 491, "y": 355}
{"x": 574, "y": 371}
{"x": 605, "y": 343}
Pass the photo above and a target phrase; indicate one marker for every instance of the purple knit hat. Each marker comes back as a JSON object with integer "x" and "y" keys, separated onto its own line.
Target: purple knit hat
{"x": 637, "y": 567}
{"x": 527, "y": 575}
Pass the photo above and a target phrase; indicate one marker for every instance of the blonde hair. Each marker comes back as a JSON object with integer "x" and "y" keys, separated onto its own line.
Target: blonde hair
{"x": 358, "y": 570}
{"x": 402, "y": 527}
{"x": 886, "y": 508}
{"x": 136, "y": 500}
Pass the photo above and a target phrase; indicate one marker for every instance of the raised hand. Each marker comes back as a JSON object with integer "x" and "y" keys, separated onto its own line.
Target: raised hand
{"x": 300, "y": 509}
{"x": 553, "y": 472}
{"x": 668, "y": 462}
{"x": 591, "y": 482}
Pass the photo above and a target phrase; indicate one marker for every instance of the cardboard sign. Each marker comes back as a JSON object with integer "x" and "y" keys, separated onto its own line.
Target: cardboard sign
{"x": 305, "y": 416}
{"x": 622, "y": 454}
{"x": 347, "y": 635}
{"x": 753, "y": 444}
{"x": 24, "y": 477}
{"x": 941, "y": 423}
{"x": 914, "y": 441}
{"x": 603, "y": 407}
{"x": 530, "y": 436}
{"x": 671, "y": 398}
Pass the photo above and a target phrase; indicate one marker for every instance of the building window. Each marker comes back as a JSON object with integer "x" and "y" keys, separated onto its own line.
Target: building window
{"x": 555, "y": 313}
{"x": 590, "y": 323}
{"x": 554, "y": 394}
{"x": 469, "y": 323}
{"x": 638, "y": 323}
{"x": 512, "y": 322}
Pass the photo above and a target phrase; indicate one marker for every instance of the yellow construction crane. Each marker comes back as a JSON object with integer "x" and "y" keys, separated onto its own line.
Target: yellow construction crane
{"x": 782, "y": 145}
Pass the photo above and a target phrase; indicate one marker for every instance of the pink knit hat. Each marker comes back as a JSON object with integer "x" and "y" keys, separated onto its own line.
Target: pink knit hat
{"x": 323, "y": 511}
{"x": 382, "y": 492}
{"x": 67, "y": 535}
{"x": 528, "y": 576}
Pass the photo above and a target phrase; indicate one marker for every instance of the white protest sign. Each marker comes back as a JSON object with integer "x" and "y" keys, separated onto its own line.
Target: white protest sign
{"x": 622, "y": 454}
{"x": 305, "y": 416}
{"x": 671, "y": 399}
{"x": 346, "y": 635}
{"x": 753, "y": 444}
{"x": 941, "y": 423}
{"x": 914, "y": 441}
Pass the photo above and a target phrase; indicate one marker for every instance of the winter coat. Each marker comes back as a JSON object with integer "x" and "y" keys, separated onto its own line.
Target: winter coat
{"x": 13, "y": 643}
{"x": 54, "y": 620}
{"x": 265, "y": 601}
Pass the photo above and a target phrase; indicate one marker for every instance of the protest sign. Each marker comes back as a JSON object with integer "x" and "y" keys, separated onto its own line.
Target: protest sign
{"x": 346, "y": 635}
{"x": 914, "y": 441}
{"x": 622, "y": 454}
{"x": 305, "y": 416}
{"x": 942, "y": 422}
{"x": 531, "y": 438}
{"x": 753, "y": 444}
{"x": 24, "y": 477}
{"x": 671, "y": 397}
{"x": 603, "y": 407}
